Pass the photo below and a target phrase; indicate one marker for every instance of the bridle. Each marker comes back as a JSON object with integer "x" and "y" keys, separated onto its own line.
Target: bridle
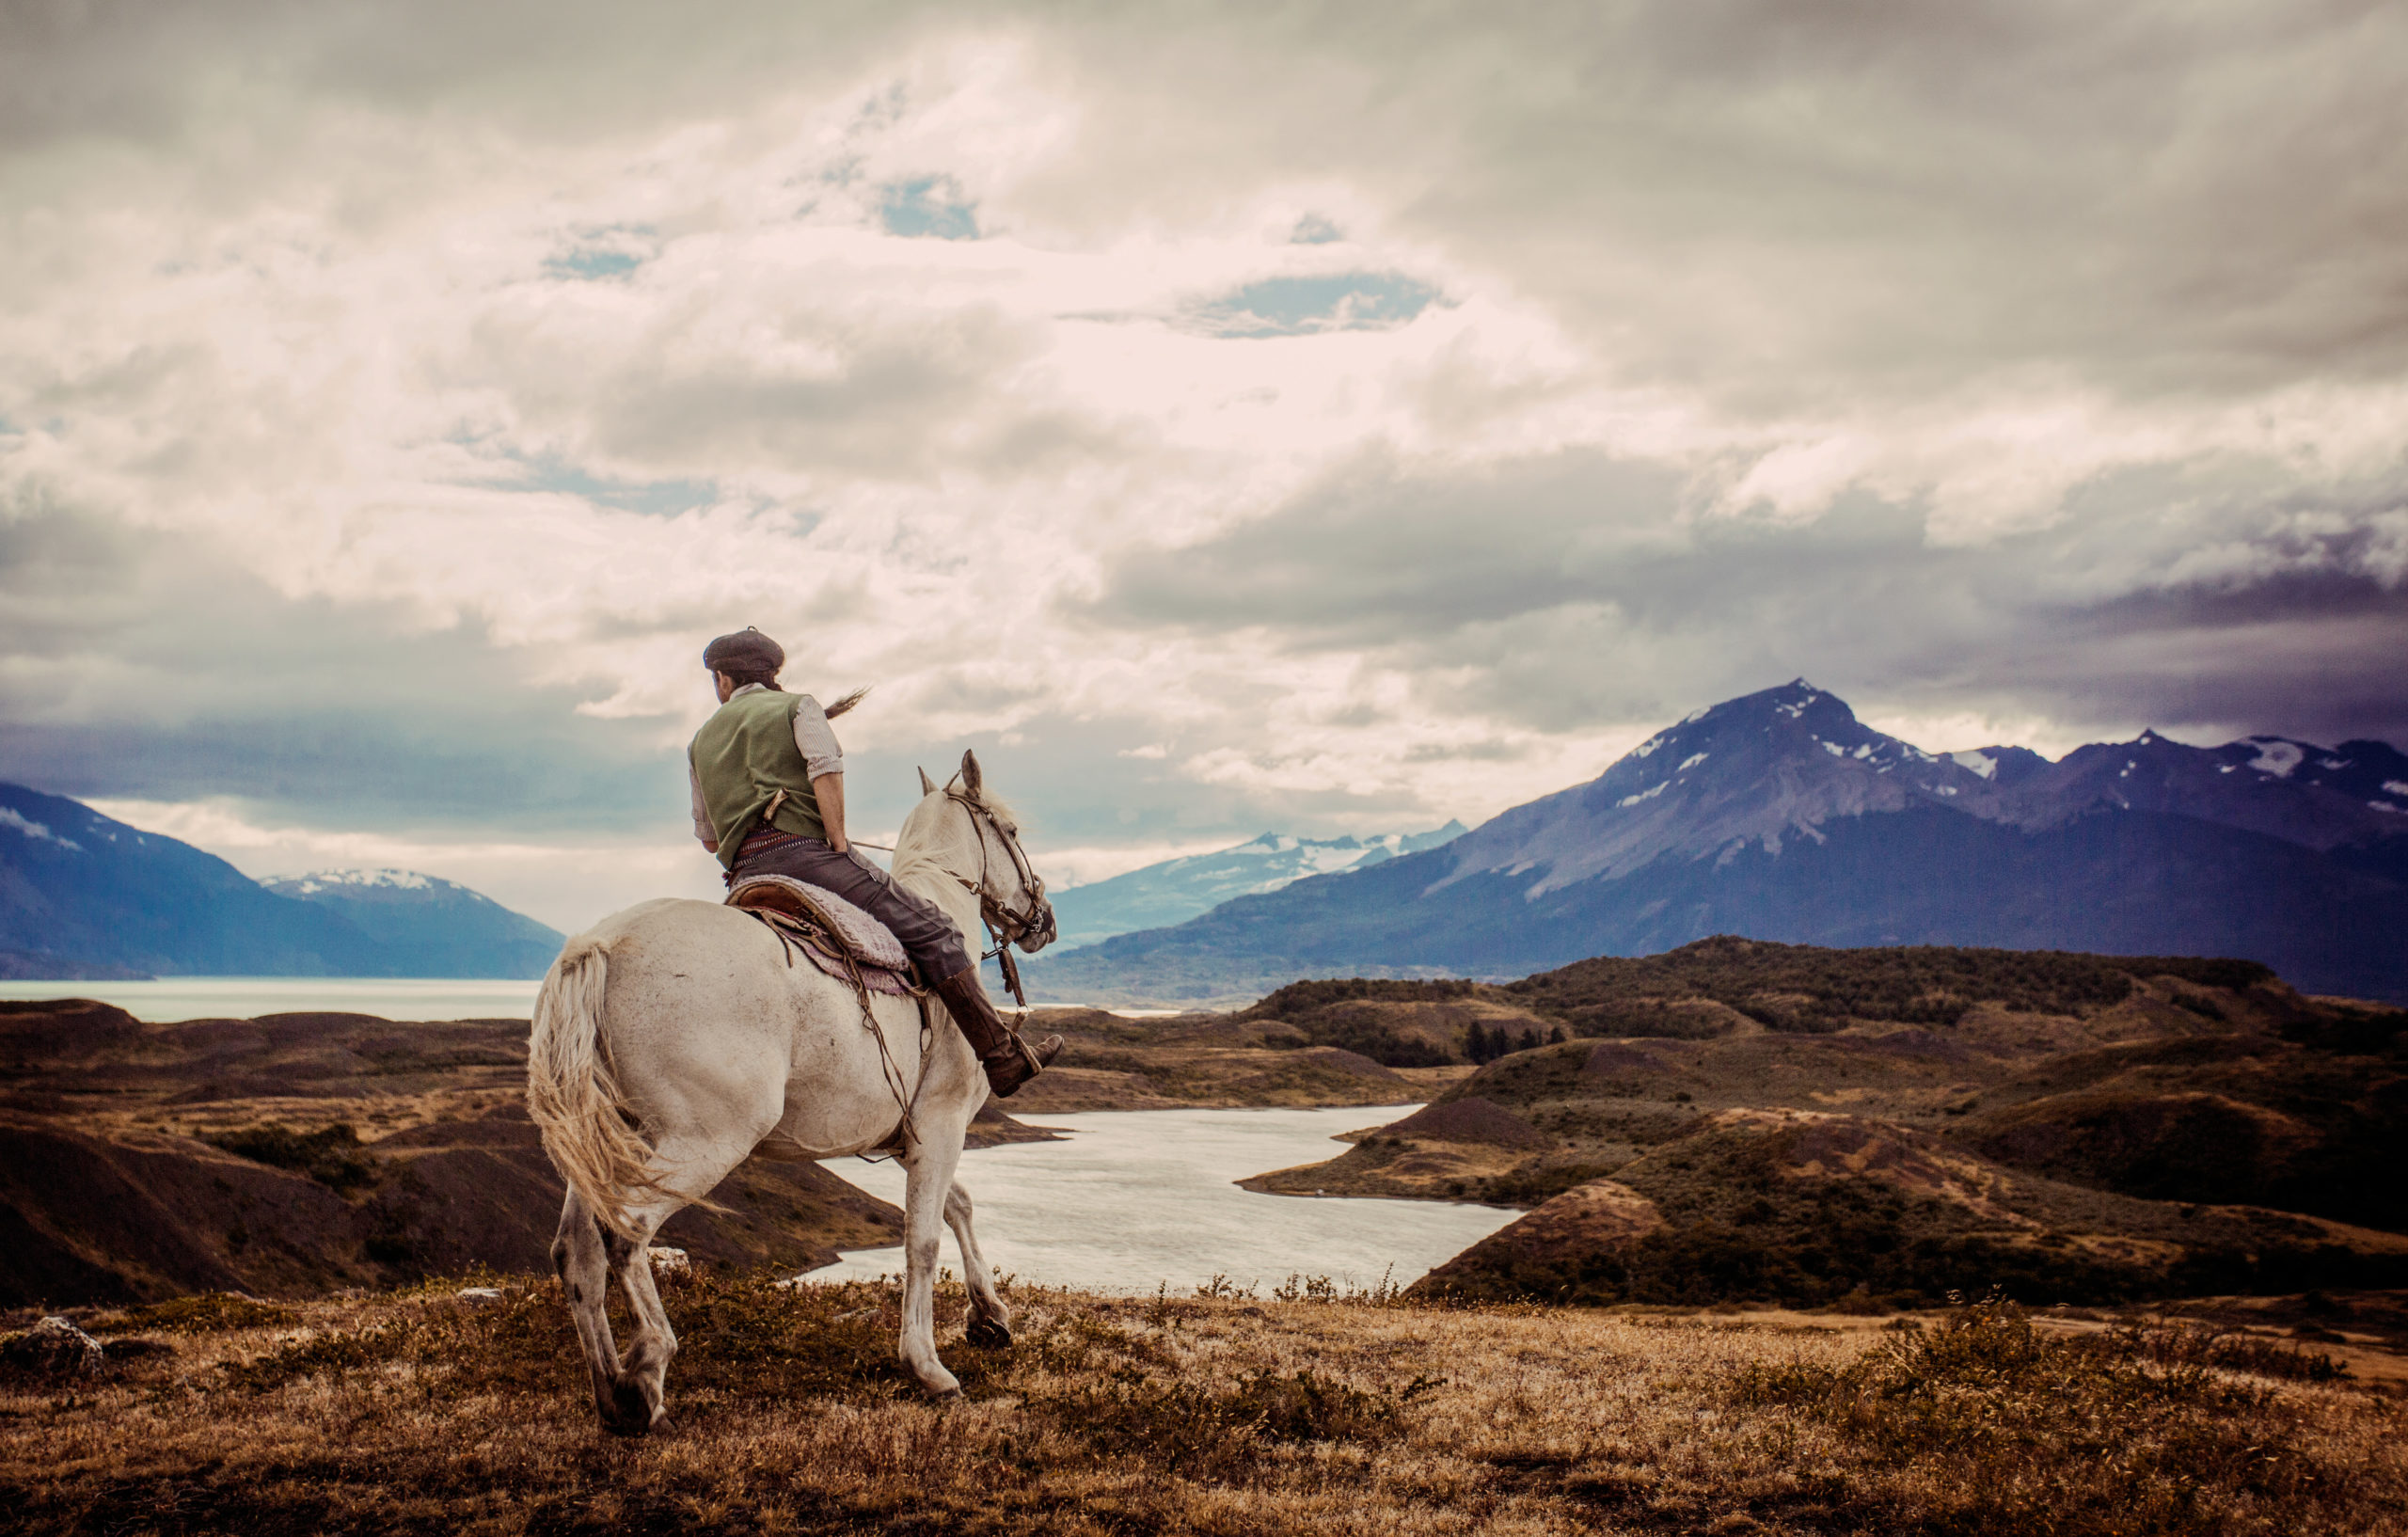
{"x": 1004, "y": 926}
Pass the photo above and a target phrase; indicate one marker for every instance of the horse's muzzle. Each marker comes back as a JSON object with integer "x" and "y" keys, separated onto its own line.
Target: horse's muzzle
{"x": 1039, "y": 934}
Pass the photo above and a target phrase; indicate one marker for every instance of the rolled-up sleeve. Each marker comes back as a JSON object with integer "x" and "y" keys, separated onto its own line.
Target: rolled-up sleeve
{"x": 703, "y": 828}
{"x": 816, "y": 738}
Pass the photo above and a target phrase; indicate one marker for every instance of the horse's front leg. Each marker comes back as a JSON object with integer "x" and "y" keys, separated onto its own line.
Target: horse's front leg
{"x": 928, "y": 1176}
{"x": 991, "y": 1321}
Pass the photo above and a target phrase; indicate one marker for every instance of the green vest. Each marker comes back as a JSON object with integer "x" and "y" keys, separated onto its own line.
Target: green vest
{"x": 742, "y": 757}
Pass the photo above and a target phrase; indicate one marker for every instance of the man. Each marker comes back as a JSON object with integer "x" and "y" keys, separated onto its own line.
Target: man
{"x": 767, "y": 769}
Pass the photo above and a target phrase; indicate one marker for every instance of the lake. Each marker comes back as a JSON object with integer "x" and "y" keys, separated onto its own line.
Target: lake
{"x": 1134, "y": 1198}
{"x": 171, "y": 998}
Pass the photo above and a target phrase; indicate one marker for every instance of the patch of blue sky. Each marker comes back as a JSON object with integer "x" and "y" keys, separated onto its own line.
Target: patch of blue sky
{"x": 1347, "y": 301}
{"x": 657, "y": 499}
{"x": 1313, "y": 230}
{"x": 927, "y": 207}
{"x": 604, "y": 252}
{"x": 592, "y": 264}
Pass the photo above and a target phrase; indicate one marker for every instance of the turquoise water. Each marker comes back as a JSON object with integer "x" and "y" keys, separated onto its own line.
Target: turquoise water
{"x": 1138, "y": 1199}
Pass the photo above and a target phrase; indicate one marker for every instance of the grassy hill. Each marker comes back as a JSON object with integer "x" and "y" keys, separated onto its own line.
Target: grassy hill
{"x": 2074, "y": 1127}
{"x": 419, "y": 1412}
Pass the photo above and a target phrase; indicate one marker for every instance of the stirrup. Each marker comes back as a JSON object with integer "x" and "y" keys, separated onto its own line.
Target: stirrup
{"x": 1018, "y": 1062}
{"x": 1038, "y": 1061}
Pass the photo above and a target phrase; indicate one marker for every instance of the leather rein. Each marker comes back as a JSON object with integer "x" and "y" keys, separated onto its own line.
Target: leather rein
{"x": 1003, "y": 924}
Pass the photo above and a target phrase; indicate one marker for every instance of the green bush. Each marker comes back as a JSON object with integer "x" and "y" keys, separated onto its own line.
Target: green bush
{"x": 332, "y": 1155}
{"x": 1810, "y": 989}
{"x": 1311, "y": 996}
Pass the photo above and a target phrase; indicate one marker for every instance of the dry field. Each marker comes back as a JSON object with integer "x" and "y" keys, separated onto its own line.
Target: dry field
{"x": 418, "y": 1412}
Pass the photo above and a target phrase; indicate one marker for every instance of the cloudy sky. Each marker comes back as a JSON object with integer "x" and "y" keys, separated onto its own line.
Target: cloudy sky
{"x": 1316, "y": 417}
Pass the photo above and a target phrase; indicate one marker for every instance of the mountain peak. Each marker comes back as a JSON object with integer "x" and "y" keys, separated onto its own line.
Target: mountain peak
{"x": 1760, "y": 769}
{"x": 1178, "y": 889}
{"x": 354, "y": 880}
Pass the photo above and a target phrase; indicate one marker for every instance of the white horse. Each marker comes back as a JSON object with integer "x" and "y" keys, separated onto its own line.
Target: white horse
{"x": 673, "y": 1039}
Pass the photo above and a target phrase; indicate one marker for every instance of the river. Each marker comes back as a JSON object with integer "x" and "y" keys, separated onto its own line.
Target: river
{"x": 1135, "y": 1199}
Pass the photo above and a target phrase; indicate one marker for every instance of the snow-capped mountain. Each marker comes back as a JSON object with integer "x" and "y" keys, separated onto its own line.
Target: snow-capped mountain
{"x": 430, "y": 927}
{"x": 1777, "y": 765}
{"x": 1177, "y": 890}
{"x": 1762, "y": 769}
{"x": 1779, "y": 815}
{"x": 84, "y": 895}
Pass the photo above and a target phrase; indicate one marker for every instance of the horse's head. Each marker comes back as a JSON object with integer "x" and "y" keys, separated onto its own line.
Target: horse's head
{"x": 1011, "y": 894}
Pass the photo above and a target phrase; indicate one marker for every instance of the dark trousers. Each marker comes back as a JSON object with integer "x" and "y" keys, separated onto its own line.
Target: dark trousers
{"x": 927, "y": 936}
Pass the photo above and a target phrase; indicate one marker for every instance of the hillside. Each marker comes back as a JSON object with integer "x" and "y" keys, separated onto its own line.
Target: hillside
{"x": 1814, "y": 1208}
{"x": 1781, "y": 817}
{"x": 428, "y": 926}
{"x": 2072, "y": 1126}
{"x": 83, "y": 894}
{"x": 291, "y": 1156}
{"x": 86, "y": 897}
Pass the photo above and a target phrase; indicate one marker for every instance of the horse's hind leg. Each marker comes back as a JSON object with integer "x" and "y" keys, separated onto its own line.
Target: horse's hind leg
{"x": 640, "y": 1392}
{"x": 578, "y": 1253}
{"x": 640, "y": 1389}
{"x": 991, "y": 1321}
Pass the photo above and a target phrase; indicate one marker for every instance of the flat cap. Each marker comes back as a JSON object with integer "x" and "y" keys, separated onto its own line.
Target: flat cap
{"x": 746, "y": 651}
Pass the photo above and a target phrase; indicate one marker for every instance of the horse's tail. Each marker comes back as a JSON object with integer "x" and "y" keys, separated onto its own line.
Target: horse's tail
{"x": 589, "y": 1131}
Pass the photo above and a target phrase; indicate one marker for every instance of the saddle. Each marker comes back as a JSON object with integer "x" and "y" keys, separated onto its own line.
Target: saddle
{"x": 837, "y": 937}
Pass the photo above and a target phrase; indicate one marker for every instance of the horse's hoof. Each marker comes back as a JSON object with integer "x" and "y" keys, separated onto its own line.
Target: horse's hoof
{"x": 630, "y": 1412}
{"x": 986, "y": 1333}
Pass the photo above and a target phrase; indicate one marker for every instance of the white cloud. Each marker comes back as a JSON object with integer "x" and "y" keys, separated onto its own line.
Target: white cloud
{"x": 569, "y": 884}
{"x": 565, "y": 340}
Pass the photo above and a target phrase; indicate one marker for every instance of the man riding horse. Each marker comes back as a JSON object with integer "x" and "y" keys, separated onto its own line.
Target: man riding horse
{"x": 768, "y": 794}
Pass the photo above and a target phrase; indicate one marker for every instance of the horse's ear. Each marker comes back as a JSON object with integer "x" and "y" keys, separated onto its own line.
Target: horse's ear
{"x": 927, "y": 785}
{"x": 970, "y": 773}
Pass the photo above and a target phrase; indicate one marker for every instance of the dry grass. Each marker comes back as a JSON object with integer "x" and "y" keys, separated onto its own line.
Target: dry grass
{"x": 414, "y": 1412}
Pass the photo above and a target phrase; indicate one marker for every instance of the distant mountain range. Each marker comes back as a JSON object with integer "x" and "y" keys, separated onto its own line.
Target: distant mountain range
{"x": 428, "y": 926}
{"x": 1177, "y": 890}
{"x": 1779, "y": 815}
{"x": 83, "y": 897}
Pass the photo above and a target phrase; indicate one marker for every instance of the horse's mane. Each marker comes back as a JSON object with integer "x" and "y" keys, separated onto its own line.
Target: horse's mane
{"x": 912, "y": 858}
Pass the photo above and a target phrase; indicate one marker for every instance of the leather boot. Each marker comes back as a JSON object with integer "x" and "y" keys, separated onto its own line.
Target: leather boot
{"x": 1010, "y": 1060}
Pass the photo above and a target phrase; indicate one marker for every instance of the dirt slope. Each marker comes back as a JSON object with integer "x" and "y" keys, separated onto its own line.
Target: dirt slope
{"x": 290, "y": 1155}
{"x": 1812, "y": 1208}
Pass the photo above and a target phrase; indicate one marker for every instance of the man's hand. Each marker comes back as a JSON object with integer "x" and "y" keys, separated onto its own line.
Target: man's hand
{"x": 830, "y": 789}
